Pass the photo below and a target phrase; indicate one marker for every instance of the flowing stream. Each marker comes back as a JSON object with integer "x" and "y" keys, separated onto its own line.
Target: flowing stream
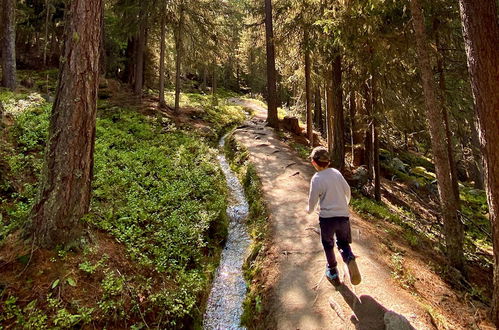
{"x": 225, "y": 303}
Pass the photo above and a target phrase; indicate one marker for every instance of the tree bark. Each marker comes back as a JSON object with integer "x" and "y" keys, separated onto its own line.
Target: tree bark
{"x": 65, "y": 187}
{"x": 478, "y": 174}
{"x": 375, "y": 143}
{"x": 481, "y": 37}
{"x": 9, "y": 44}
{"x": 318, "y": 109}
{"x": 338, "y": 156}
{"x": 308, "y": 93}
{"x": 442, "y": 87}
{"x": 453, "y": 228}
{"x": 162, "y": 102}
{"x": 178, "y": 59}
{"x": 45, "y": 41}
{"x": 329, "y": 110}
{"x": 369, "y": 147}
{"x": 272, "y": 118}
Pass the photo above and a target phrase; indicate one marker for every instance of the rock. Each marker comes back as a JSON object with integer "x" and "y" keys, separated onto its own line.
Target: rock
{"x": 28, "y": 82}
{"x": 358, "y": 177}
{"x": 394, "y": 321}
{"x": 291, "y": 124}
{"x": 397, "y": 164}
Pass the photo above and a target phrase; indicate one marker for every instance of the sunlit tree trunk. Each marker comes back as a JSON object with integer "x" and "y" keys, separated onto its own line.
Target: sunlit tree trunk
{"x": 481, "y": 37}
{"x": 329, "y": 110}
{"x": 65, "y": 185}
{"x": 9, "y": 44}
{"x": 453, "y": 228}
{"x": 338, "y": 156}
{"x": 272, "y": 118}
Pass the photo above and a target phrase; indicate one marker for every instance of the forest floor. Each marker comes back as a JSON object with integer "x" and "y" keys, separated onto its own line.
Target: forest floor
{"x": 399, "y": 290}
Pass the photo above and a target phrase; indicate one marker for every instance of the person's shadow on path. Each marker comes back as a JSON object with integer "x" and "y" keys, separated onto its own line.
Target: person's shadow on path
{"x": 371, "y": 315}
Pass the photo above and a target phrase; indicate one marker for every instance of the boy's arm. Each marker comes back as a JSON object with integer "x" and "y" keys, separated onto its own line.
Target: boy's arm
{"x": 313, "y": 196}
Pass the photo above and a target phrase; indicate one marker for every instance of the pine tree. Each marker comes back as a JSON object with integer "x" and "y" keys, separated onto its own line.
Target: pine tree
{"x": 64, "y": 195}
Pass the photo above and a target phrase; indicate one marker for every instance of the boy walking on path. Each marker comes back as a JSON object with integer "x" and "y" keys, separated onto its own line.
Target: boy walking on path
{"x": 329, "y": 188}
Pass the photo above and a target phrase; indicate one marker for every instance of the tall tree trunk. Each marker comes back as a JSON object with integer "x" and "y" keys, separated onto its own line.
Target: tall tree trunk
{"x": 329, "y": 110}
{"x": 442, "y": 87}
{"x": 45, "y": 40}
{"x": 139, "y": 66}
{"x": 338, "y": 156}
{"x": 308, "y": 93}
{"x": 369, "y": 150}
{"x": 481, "y": 37}
{"x": 375, "y": 143}
{"x": 272, "y": 118}
{"x": 453, "y": 228}
{"x": 162, "y": 102}
{"x": 318, "y": 108}
{"x": 478, "y": 174}
{"x": 64, "y": 195}
{"x": 178, "y": 58}
{"x": 9, "y": 44}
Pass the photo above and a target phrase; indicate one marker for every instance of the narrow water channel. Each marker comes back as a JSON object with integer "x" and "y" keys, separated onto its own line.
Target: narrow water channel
{"x": 225, "y": 303}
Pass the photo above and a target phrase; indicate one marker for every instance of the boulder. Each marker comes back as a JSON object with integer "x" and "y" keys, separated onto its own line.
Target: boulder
{"x": 358, "y": 177}
{"x": 291, "y": 124}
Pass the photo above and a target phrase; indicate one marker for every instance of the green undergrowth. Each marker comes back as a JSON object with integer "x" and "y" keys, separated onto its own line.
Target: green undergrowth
{"x": 258, "y": 230}
{"x": 380, "y": 211}
{"x": 218, "y": 111}
{"x": 418, "y": 172}
{"x": 157, "y": 191}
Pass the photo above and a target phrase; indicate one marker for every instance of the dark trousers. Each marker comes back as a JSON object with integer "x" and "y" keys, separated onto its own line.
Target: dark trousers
{"x": 339, "y": 227}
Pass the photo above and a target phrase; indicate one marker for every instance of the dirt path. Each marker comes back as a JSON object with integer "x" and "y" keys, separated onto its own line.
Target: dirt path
{"x": 302, "y": 297}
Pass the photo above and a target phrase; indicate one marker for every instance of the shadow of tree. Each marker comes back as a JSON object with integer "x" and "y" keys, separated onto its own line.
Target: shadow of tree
{"x": 370, "y": 314}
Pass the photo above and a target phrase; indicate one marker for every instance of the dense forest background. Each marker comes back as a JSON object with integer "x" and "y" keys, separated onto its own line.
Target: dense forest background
{"x": 406, "y": 102}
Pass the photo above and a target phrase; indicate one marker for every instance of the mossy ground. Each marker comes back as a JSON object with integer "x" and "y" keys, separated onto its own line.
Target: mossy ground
{"x": 155, "y": 230}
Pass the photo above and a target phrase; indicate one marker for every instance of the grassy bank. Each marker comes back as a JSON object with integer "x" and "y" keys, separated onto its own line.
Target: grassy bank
{"x": 154, "y": 233}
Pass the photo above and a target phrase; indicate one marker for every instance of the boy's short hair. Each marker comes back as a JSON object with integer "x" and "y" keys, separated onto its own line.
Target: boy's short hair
{"x": 320, "y": 155}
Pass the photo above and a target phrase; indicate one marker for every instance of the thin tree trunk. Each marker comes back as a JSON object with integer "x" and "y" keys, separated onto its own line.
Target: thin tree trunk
{"x": 375, "y": 143}
{"x": 162, "y": 102}
{"x": 178, "y": 59}
{"x": 139, "y": 66}
{"x": 318, "y": 108}
{"x": 308, "y": 93}
{"x": 329, "y": 110}
{"x": 481, "y": 37}
{"x": 369, "y": 150}
{"x": 442, "y": 86}
{"x": 352, "y": 110}
{"x": 64, "y": 195}
{"x": 477, "y": 157}
{"x": 47, "y": 17}
{"x": 272, "y": 118}
{"x": 9, "y": 44}
{"x": 453, "y": 228}
{"x": 338, "y": 156}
